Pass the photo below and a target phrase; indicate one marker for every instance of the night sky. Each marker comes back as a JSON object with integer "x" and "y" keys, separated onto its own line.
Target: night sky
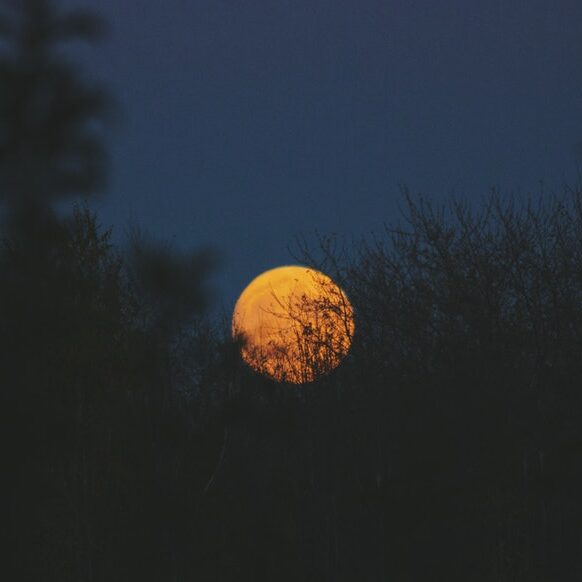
{"x": 246, "y": 123}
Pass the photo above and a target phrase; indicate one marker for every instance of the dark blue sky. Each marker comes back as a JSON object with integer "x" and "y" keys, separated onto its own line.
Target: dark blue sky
{"x": 248, "y": 122}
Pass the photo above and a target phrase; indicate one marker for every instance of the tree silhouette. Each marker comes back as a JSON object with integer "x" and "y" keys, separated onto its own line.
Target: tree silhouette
{"x": 50, "y": 142}
{"x": 94, "y": 425}
{"x": 468, "y": 351}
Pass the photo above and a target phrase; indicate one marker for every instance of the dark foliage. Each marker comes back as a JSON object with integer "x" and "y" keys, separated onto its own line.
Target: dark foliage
{"x": 50, "y": 118}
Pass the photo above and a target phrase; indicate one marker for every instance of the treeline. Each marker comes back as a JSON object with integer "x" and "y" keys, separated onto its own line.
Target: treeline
{"x": 137, "y": 446}
{"x": 447, "y": 445}
{"x": 466, "y": 378}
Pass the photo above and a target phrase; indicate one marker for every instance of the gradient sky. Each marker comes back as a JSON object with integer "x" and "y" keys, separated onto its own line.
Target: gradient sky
{"x": 249, "y": 122}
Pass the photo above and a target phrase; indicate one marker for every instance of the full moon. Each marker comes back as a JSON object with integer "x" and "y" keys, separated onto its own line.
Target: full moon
{"x": 294, "y": 323}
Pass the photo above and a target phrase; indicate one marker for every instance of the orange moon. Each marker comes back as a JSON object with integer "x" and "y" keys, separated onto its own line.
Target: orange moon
{"x": 294, "y": 323}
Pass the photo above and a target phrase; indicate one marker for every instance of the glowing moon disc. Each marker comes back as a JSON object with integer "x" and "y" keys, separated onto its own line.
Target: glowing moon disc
{"x": 295, "y": 324}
